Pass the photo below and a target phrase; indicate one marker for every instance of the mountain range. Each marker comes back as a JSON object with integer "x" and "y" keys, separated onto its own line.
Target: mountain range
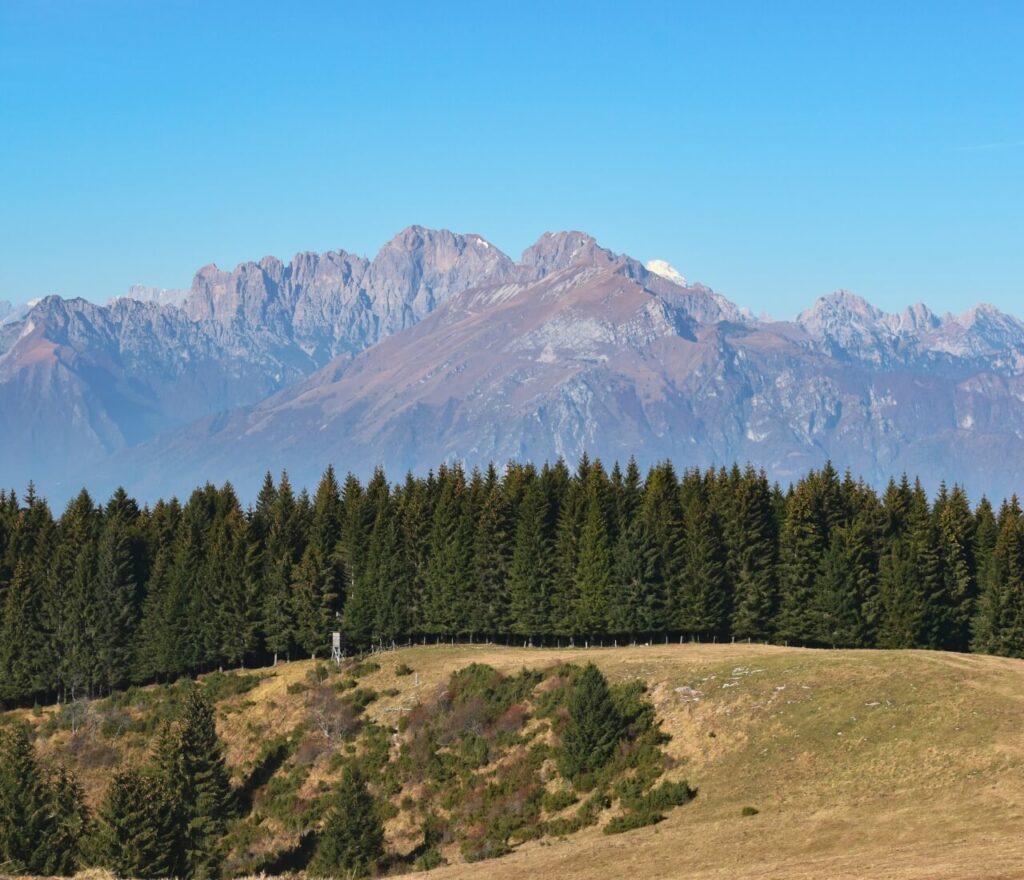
{"x": 443, "y": 348}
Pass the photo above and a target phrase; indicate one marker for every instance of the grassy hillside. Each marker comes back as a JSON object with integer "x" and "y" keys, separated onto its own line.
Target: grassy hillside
{"x": 859, "y": 763}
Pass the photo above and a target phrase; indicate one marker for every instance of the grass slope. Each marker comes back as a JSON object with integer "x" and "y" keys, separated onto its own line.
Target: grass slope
{"x": 882, "y": 764}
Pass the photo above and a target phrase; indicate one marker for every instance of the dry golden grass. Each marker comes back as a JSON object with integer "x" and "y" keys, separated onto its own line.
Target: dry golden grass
{"x": 862, "y": 764}
{"x": 881, "y": 764}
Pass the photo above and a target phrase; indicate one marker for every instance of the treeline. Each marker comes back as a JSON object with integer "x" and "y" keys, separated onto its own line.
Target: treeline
{"x": 111, "y": 594}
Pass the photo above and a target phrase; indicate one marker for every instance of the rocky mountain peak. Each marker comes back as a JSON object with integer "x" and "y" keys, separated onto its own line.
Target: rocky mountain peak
{"x": 160, "y": 295}
{"x": 839, "y": 307}
{"x": 555, "y": 251}
{"x": 914, "y": 319}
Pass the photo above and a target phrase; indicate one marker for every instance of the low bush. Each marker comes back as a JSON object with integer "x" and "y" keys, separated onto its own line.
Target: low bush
{"x": 633, "y": 819}
{"x": 556, "y": 801}
{"x": 222, "y": 685}
{"x": 360, "y": 698}
{"x": 365, "y": 668}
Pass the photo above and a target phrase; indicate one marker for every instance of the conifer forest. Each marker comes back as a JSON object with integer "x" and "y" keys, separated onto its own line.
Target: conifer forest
{"x": 111, "y": 594}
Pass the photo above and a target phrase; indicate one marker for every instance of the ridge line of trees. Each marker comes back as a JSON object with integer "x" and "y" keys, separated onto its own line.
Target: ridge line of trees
{"x": 112, "y": 594}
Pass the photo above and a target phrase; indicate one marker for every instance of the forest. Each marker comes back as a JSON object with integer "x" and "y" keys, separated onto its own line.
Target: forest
{"x": 116, "y": 593}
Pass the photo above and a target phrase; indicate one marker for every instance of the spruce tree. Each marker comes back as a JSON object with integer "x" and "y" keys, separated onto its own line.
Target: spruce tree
{"x": 803, "y": 543}
{"x": 138, "y": 828}
{"x": 41, "y": 817}
{"x": 23, "y": 671}
{"x": 593, "y": 582}
{"x": 449, "y": 576}
{"x": 392, "y": 615}
{"x": 117, "y": 597}
{"x": 196, "y": 772}
{"x": 960, "y": 586}
{"x": 352, "y": 840}
{"x": 635, "y": 565}
{"x": 530, "y": 575}
{"x": 999, "y": 622}
{"x": 594, "y": 729}
{"x": 751, "y": 546}
{"x": 702, "y": 600}
{"x": 843, "y": 585}
{"x": 662, "y": 530}
{"x": 493, "y": 547}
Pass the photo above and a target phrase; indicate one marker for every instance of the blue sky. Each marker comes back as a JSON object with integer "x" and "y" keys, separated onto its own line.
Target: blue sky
{"x": 775, "y": 151}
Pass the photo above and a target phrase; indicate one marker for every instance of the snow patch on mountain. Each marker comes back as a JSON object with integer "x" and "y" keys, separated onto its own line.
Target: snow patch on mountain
{"x": 666, "y": 270}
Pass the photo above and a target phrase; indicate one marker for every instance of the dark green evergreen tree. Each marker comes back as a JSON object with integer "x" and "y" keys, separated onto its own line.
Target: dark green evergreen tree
{"x": 138, "y": 827}
{"x": 702, "y": 601}
{"x": 352, "y": 840}
{"x": 594, "y": 729}
{"x": 117, "y": 596}
{"x": 752, "y": 546}
{"x": 195, "y": 772}
{"x": 42, "y": 816}
{"x": 593, "y": 585}
{"x": 530, "y": 575}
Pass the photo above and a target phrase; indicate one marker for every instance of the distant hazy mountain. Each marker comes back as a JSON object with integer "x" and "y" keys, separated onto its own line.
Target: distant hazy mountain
{"x": 82, "y": 383}
{"x": 443, "y": 348}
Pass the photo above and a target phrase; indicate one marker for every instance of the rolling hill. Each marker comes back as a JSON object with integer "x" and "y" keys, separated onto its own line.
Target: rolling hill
{"x": 859, "y": 763}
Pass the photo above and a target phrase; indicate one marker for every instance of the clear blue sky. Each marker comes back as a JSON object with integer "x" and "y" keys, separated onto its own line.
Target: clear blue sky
{"x": 774, "y": 150}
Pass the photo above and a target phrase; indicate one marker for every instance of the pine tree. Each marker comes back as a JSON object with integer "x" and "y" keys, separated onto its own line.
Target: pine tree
{"x": 352, "y": 840}
{"x": 702, "y": 602}
{"x": 999, "y": 622}
{"x": 530, "y": 580}
{"x": 116, "y": 595}
{"x": 41, "y": 818}
{"x": 594, "y": 729}
{"x": 571, "y": 516}
{"x": 803, "y": 543}
{"x": 23, "y": 671}
{"x": 318, "y": 579}
{"x": 842, "y": 591}
{"x": 593, "y": 583}
{"x": 199, "y": 776}
{"x": 449, "y": 576}
{"x": 662, "y": 529}
{"x": 751, "y": 546}
{"x": 493, "y": 547}
{"x": 235, "y": 566}
{"x": 635, "y": 565}
{"x": 960, "y": 586}
{"x": 139, "y": 829}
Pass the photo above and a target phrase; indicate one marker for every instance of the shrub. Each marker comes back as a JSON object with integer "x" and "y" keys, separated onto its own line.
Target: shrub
{"x": 556, "y": 801}
{"x": 365, "y": 668}
{"x": 360, "y": 698}
{"x": 429, "y": 860}
{"x": 633, "y": 819}
{"x": 671, "y": 794}
{"x": 221, "y": 685}
{"x": 749, "y": 811}
{"x": 403, "y": 669}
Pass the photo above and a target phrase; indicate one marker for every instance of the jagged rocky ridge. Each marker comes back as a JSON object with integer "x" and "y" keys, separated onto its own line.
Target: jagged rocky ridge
{"x": 443, "y": 348}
